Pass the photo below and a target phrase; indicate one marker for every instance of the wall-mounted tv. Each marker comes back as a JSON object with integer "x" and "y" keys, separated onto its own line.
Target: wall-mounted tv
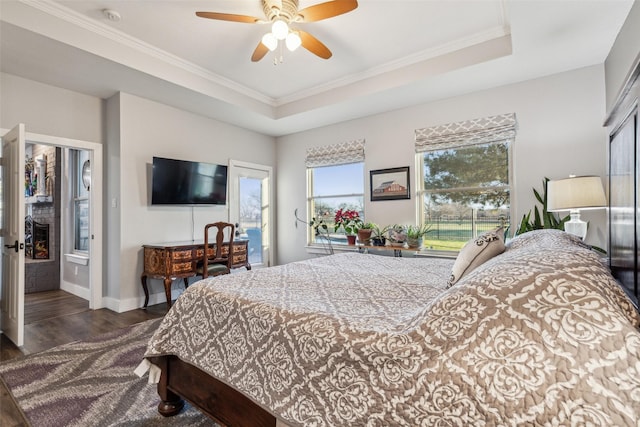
{"x": 181, "y": 182}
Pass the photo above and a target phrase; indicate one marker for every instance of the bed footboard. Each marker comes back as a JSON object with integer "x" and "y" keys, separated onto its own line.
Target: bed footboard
{"x": 222, "y": 403}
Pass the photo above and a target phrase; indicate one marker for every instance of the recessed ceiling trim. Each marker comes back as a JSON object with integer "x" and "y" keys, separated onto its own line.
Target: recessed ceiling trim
{"x": 426, "y": 55}
{"x": 82, "y": 21}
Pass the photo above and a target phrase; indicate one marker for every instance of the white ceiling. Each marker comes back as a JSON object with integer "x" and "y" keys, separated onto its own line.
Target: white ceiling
{"x": 387, "y": 54}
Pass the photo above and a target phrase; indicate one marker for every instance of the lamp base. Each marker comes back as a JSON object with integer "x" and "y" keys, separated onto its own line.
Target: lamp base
{"x": 575, "y": 225}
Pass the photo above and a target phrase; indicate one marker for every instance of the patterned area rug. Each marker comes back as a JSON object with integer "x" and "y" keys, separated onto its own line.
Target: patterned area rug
{"x": 91, "y": 383}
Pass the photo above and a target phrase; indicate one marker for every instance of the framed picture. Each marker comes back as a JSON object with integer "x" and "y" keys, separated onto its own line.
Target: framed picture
{"x": 390, "y": 184}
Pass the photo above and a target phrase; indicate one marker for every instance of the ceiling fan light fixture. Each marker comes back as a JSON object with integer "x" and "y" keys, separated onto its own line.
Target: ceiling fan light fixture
{"x": 280, "y": 29}
{"x": 293, "y": 41}
{"x": 270, "y": 41}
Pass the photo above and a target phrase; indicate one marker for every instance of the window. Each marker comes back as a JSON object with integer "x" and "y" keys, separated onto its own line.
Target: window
{"x": 80, "y": 194}
{"x": 335, "y": 176}
{"x": 464, "y": 187}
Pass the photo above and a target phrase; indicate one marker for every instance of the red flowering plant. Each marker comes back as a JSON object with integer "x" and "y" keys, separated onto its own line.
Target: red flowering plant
{"x": 349, "y": 220}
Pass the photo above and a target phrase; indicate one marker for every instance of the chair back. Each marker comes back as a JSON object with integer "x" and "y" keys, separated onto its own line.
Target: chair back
{"x": 220, "y": 254}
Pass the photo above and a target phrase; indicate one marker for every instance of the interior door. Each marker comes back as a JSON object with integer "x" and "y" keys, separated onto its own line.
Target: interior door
{"x": 250, "y": 201}
{"x": 13, "y": 234}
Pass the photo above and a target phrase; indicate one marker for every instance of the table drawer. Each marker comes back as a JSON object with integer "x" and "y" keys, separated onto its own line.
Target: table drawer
{"x": 182, "y": 267}
{"x": 200, "y": 252}
{"x": 239, "y": 249}
{"x": 182, "y": 254}
{"x": 239, "y": 259}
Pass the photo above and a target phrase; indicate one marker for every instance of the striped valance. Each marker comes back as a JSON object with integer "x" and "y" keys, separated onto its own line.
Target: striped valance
{"x": 336, "y": 154}
{"x": 468, "y": 132}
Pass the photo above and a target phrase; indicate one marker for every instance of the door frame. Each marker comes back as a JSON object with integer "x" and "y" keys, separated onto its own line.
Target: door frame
{"x": 95, "y": 206}
{"x": 233, "y": 190}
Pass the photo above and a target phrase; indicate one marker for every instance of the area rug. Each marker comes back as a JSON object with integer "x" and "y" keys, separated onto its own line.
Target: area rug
{"x": 91, "y": 383}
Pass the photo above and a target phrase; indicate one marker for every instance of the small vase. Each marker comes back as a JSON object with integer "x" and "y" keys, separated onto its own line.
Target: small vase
{"x": 413, "y": 242}
{"x": 364, "y": 236}
{"x": 351, "y": 239}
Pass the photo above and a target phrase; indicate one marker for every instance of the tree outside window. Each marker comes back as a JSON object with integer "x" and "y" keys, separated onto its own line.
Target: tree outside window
{"x": 465, "y": 192}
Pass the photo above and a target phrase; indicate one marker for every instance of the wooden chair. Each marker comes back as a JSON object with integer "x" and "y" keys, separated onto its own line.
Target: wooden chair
{"x": 220, "y": 261}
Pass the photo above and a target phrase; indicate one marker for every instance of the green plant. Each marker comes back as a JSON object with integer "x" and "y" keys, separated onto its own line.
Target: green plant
{"x": 542, "y": 220}
{"x": 321, "y": 229}
{"x": 378, "y": 232}
{"x": 368, "y": 226}
{"x": 417, "y": 231}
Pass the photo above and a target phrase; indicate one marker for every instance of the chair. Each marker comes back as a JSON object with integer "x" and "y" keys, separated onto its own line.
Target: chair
{"x": 219, "y": 262}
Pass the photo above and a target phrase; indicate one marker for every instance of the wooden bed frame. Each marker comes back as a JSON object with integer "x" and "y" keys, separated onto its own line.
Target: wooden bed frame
{"x": 222, "y": 403}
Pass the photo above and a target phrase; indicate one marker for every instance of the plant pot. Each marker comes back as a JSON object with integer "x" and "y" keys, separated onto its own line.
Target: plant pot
{"x": 414, "y": 242}
{"x": 351, "y": 239}
{"x": 378, "y": 241}
{"x": 364, "y": 236}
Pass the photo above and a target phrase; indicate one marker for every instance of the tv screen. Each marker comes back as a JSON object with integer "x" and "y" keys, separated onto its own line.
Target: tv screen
{"x": 181, "y": 182}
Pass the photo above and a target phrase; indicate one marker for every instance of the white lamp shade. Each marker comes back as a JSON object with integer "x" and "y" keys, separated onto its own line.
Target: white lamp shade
{"x": 293, "y": 41}
{"x": 580, "y": 192}
{"x": 270, "y": 41}
{"x": 280, "y": 29}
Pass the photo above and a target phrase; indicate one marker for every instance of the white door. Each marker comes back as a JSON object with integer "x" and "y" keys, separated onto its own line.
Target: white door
{"x": 250, "y": 206}
{"x": 13, "y": 235}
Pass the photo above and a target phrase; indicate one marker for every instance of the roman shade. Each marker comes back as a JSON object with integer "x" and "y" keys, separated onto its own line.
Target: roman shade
{"x": 469, "y": 132}
{"x": 336, "y": 154}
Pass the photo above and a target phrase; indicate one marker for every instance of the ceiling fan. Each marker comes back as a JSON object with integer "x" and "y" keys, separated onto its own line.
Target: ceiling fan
{"x": 282, "y": 14}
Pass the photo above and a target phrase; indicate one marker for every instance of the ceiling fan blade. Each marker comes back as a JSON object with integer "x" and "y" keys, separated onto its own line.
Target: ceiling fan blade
{"x": 259, "y": 53}
{"x": 229, "y": 17}
{"x": 326, "y": 10}
{"x": 314, "y": 45}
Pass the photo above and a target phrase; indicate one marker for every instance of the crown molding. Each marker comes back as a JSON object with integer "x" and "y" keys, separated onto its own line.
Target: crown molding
{"x": 72, "y": 17}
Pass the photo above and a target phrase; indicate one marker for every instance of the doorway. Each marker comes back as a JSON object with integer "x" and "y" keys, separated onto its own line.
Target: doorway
{"x": 16, "y": 285}
{"x": 250, "y": 206}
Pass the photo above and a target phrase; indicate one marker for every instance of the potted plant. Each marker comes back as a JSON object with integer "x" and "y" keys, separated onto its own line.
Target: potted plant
{"x": 397, "y": 235}
{"x": 364, "y": 233}
{"x": 542, "y": 220}
{"x": 415, "y": 234}
{"x": 378, "y": 235}
{"x": 349, "y": 220}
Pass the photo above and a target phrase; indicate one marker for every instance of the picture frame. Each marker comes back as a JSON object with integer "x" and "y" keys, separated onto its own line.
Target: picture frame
{"x": 390, "y": 184}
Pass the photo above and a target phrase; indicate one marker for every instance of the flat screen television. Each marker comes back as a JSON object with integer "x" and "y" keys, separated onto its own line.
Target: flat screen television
{"x": 181, "y": 182}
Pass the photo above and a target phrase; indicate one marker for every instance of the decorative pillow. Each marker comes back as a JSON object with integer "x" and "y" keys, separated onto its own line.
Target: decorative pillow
{"x": 475, "y": 252}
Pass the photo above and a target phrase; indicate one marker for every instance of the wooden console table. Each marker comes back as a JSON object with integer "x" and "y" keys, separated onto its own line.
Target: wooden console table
{"x": 178, "y": 260}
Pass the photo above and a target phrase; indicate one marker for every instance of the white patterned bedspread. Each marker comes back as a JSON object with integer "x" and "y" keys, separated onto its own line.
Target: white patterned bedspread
{"x": 538, "y": 335}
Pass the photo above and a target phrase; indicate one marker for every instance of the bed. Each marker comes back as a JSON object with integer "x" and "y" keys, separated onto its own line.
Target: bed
{"x": 540, "y": 334}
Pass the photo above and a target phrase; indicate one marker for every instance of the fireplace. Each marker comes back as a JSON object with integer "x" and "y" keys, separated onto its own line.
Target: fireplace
{"x": 36, "y": 239}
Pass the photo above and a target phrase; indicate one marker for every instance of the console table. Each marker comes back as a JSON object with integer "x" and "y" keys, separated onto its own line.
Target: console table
{"x": 397, "y": 250}
{"x": 178, "y": 260}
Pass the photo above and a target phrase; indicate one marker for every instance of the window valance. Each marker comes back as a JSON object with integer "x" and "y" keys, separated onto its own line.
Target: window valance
{"x": 468, "y": 132}
{"x": 336, "y": 154}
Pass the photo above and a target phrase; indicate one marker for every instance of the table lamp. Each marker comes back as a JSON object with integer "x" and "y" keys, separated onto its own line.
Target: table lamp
{"x": 573, "y": 194}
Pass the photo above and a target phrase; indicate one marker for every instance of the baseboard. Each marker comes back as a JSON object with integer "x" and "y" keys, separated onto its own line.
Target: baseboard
{"x": 77, "y": 290}
{"x": 120, "y": 306}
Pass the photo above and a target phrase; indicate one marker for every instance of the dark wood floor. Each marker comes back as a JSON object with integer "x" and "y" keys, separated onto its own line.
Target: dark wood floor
{"x": 54, "y": 318}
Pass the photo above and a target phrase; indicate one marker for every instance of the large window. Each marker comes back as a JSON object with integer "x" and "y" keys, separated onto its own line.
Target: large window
{"x": 332, "y": 188}
{"x": 464, "y": 187}
{"x": 335, "y": 177}
{"x": 80, "y": 202}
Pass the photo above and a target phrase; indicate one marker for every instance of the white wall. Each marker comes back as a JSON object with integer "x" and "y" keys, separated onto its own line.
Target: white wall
{"x": 133, "y": 130}
{"x": 52, "y": 111}
{"x": 624, "y": 53}
{"x": 49, "y": 110}
{"x": 559, "y": 133}
{"x": 150, "y": 129}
